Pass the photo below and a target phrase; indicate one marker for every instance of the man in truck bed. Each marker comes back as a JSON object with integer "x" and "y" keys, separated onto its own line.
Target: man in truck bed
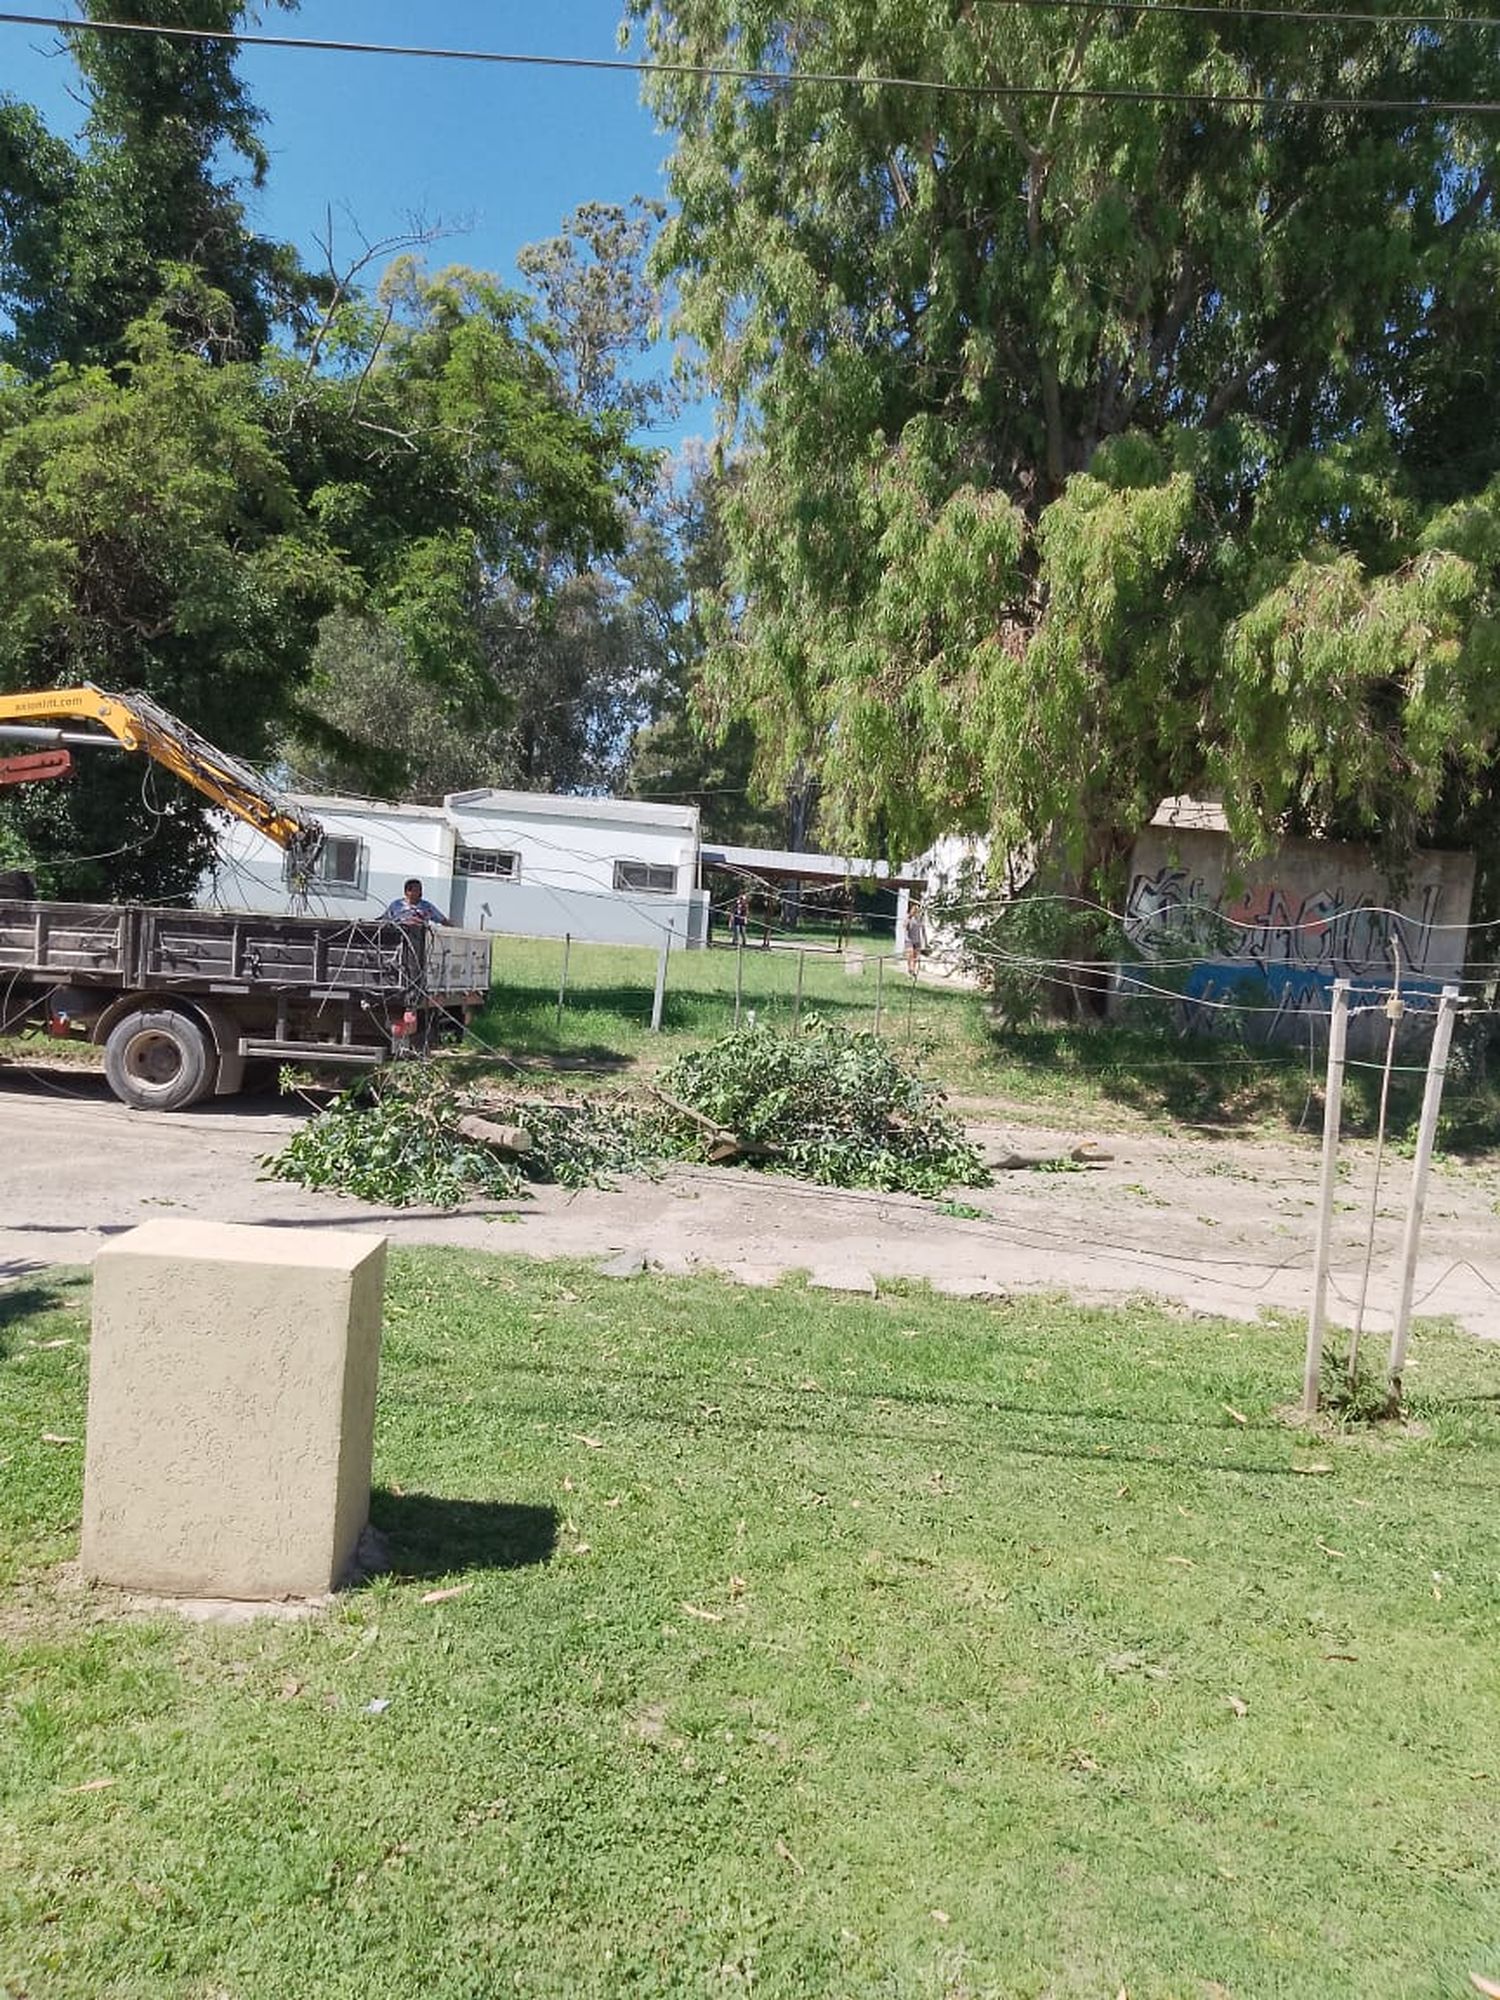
{"x": 412, "y": 907}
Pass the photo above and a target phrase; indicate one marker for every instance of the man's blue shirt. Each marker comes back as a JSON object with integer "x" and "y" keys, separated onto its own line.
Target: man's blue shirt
{"x": 420, "y": 912}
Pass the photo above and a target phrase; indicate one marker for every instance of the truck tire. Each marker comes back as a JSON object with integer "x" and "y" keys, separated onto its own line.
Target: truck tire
{"x": 159, "y": 1060}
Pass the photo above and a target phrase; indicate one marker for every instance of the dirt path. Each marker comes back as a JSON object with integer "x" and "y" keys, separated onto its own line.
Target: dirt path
{"x": 1218, "y": 1225}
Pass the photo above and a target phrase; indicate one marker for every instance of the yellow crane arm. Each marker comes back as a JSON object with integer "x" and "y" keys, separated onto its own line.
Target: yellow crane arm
{"x": 136, "y": 722}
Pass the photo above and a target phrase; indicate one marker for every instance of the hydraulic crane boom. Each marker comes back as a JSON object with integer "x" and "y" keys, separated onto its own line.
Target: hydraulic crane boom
{"x": 136, "y": 722}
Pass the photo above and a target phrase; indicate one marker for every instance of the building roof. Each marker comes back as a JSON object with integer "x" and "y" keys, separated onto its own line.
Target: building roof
{"x": 527, "y": 805}
{"x": 1203, "y": 815}
{"x": 379, "y": 808}
{"x": 561, "y": 805}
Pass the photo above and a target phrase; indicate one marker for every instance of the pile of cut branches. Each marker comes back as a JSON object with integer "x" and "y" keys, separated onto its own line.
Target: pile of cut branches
{"x": 408, "y": 1136}
{"x": 827, "y": 1103}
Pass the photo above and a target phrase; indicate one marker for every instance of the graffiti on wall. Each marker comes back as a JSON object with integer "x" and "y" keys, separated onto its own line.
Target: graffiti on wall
{"x": 1279, "y": 950}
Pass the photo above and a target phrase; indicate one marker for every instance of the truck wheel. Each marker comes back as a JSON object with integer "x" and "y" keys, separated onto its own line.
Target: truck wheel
{"x": 158, "y": 1060}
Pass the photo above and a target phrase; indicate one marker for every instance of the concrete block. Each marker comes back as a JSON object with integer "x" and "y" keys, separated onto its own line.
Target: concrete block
{"x": 231, "y": 1408}
{"x": 629, "y": 1264}
{"x": 842, "y": 1280}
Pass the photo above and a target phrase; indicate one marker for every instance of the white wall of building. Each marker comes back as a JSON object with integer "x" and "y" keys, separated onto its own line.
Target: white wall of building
{"x": 527, "y": 864}
{"x": 614, "y": 870}
{"x": 957, "y": 863}
{"x": 369, "y": 851}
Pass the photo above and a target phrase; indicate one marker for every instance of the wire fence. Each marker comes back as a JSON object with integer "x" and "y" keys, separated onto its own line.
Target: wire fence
{"x": 569, "y": 989}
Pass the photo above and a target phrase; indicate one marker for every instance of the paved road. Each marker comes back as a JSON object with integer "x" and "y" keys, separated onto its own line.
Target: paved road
{"x": 1218, "y": 1225}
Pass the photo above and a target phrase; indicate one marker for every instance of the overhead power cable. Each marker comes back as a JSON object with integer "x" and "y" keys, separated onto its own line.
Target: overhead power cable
{"x": 1229, "y": 11}
{"x": 776, "y": 79}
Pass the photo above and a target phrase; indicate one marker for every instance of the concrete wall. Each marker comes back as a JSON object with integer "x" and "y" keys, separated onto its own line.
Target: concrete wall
{"x": 957, "y": 864}
{"x": 1289, "y": 925}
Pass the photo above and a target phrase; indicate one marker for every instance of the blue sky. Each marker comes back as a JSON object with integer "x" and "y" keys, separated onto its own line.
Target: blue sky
{"x": 504, "y": 152}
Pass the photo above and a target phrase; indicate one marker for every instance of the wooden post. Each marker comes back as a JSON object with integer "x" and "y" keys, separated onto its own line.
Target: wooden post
{"x": 562, "y": 984}
{"x": 1338, "y": 1032}
{"x": 879, "y": 986}
{"x": 661, "y": 982}
{"x": 797, "y": 1001}
{"x": 739, "y": 979}
{"x": 1432, "y": 1097}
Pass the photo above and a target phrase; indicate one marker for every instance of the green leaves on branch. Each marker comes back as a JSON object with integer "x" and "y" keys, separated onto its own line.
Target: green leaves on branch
{"x": 205, "y": 451}
{"x": 88, "y": 238}
{"x": 184, "y": 527}
{"x": 830, "y": 1104}
{"x": 827, "y": 1104}
{"x": 1091, "y": 450}
{"x": 396, "y": 1137}
{"x": 151, "y": 536}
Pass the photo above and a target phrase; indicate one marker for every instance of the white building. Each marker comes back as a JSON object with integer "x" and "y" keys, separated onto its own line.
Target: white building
{"x": 955, "y": 867}
{"x": 615, "y": 871}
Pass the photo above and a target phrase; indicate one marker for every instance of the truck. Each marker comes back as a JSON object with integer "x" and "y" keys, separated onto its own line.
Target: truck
{"x": 183, "y": 1002}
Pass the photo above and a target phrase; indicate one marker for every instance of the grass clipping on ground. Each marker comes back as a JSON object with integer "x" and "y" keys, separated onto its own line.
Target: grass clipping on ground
{"x": 828, "y": 1104}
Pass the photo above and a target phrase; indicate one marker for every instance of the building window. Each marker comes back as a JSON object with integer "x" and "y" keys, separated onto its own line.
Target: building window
{"x": 645, "y": 878}
{"x": 340, "y": 864}
{"x": 494, "y": 863}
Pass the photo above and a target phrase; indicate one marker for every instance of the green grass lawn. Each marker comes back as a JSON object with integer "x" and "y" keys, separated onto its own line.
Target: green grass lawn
{"x": 803, "y": 1646}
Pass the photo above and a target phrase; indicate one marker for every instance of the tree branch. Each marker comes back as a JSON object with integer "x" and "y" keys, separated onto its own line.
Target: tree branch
{"x": 1229, "y": 393}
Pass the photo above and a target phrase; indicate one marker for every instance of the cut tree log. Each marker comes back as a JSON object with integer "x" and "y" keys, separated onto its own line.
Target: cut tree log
{"x": 724, "y": 1146}
{"x": 1086, "y": 1155}
{"x": 500, "y": 1138}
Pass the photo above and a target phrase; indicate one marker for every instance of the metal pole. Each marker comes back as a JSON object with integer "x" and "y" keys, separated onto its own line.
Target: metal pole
{"x": 661, "y": 982}
{"x": 1338, "y": 1031}
{"x": 739, "y": 978}
{"x": 562, "y": 984}
{"x": 1432, "y": 1097}
{"x": 879, "y": 986}
{"x": 797, "y": 1002}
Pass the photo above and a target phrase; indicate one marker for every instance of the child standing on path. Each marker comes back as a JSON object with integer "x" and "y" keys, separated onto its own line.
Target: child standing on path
{"x": 916, "y": 938}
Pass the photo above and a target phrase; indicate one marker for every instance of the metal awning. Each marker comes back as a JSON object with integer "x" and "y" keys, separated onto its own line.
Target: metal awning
{"x": 778, "y": 864}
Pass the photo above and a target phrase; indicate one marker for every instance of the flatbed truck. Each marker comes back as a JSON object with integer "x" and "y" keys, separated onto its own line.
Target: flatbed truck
{"x": 181, "y": 1000}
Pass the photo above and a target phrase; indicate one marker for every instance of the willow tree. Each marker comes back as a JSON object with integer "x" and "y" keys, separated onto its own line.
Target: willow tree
{"x": 1097, "y": 446}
